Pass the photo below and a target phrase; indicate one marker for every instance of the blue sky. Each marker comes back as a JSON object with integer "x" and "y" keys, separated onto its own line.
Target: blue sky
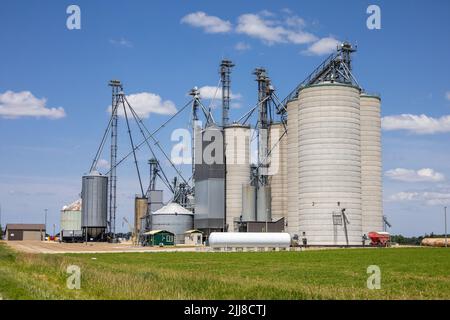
{"x": 164, "y": 48}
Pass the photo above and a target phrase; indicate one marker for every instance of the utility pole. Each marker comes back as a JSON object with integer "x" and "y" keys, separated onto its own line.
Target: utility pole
{"x": 46, "y": 211}
{"x": 445, "y": 222}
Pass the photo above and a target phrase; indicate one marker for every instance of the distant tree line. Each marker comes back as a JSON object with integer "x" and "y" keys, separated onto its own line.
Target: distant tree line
{"x": 413, "y": 240}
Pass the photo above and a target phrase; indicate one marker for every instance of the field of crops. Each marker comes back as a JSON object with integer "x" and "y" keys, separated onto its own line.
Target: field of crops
{"x": 406, "y": 273}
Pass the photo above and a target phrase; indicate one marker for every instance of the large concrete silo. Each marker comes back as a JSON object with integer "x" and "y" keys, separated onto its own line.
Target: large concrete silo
{"x": 237, "y": 155}
{"x": 329, "y": 166}
{"x": 371, "y": 167}
{"x": 292, "y": 167}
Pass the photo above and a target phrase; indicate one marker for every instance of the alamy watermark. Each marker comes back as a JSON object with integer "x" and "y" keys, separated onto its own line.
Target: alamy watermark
{"x": 73, "y": 21}
{"x": 374, "y": 280}
{"x": 374, "y": 20}
{"x": 74, "y": 279}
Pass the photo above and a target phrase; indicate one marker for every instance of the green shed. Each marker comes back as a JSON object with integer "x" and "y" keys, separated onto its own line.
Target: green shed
{"x": 159, "y": 238}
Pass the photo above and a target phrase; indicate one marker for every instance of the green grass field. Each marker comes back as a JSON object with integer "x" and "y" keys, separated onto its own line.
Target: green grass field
{"x": 406, "y": 273}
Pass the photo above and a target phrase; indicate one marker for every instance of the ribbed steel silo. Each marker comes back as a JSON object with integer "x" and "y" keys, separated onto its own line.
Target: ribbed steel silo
{"x": 278, "y": 171}
{"x": 94, "y": 208}
{"x": 371, "y": 166}
{"x": 329, "y": 166}
{"x": 237, "y": 154}
{"x": 173, "y": 218}
{"x": 292, "y": 167}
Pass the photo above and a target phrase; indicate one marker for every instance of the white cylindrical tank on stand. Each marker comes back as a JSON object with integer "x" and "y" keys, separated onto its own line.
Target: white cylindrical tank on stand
{"x": 371, "y": 166}
{"x": 329, "y": 166}
{"x": 249, "y": 240}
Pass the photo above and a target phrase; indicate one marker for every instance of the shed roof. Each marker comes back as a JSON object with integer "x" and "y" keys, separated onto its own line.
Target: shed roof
{"x": 153, "y": 232}
{"x": 25, "y": 226}
{"x": 193, "y": 231}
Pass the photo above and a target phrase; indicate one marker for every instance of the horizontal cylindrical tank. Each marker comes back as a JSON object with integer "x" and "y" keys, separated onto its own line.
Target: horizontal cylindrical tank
{"x": 94, "y": 194}
{"x": 237, "y": 153}
{"x": 278, "y": 171}
{"x": 434, "y": 242}
{"x": 371, "y": 167}
{"x": 249, "y": 240}
{"x": 329, "y": 166}
{"x": 173, "y": 218}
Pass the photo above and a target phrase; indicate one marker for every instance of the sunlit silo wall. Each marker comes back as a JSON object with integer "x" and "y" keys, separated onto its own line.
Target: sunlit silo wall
{"x": 140, "y": 211}
{"x": 94, "y": 194}
{"x": 371, "y": 166}
{"x": 209, "y": 177}
{"x": 329, "y": 167}
{"x": 292, "y": 167}
{"x": 248, "y": 203}
{"x": 278, "y": 171}
{"x": 237, "y": 153}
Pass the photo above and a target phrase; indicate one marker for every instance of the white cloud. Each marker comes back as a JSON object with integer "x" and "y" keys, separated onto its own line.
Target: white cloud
{"x": 103, "y": 164}
{"x": 242, "y": 46}
{"x": 447, "y": 95}
{"x": 295, "y": 21}
{"x": 25, "y": 104}
{"x": 122, "y": 42}
{"x": 145, "y": 103}
{"x": 271, "y": 32}
{"x": 422, "y": 175}
{"x": 323, "y": 46}
{"x": 211, "y": 92}
{"x": 420, "y": 124}
{"x": 431, "y": 198}
{"x": 210, "y": 24}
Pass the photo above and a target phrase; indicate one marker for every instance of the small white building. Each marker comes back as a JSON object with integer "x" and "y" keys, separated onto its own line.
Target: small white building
{"x": 193, "y": 237}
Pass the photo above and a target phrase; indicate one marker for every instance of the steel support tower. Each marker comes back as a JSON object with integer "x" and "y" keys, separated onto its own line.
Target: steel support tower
{"x": 117, "y": 89}
{"x": 263, "y": 124}
{"x": 225, "y": 71}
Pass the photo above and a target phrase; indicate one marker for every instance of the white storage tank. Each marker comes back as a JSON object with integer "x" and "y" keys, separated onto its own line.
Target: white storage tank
{"x": 237, "y": 153}
{"x": 278, "y": 171}
{"x": 249, "y": 240}
{"x": 292, "y": 167}
{"x": 173, "y": 218}
{"x": 371, "y": 166}
{"x": 329, "y": 166}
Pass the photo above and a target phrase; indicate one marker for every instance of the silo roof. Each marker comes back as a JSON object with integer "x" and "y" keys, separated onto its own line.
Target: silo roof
{"x": 172, "y": 208}
{"x": 75, "y": 206}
